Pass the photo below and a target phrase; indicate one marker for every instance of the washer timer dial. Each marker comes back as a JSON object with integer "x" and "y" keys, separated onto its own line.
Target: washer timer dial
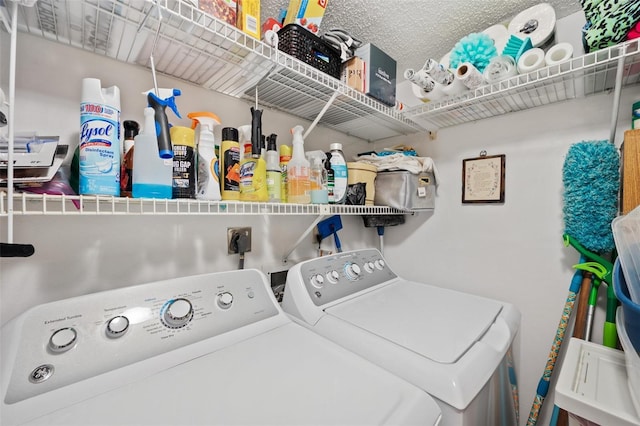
{"x": 177, "y": 313}
{"x": 352, "y": 271}
{"x": 117, "y": 326}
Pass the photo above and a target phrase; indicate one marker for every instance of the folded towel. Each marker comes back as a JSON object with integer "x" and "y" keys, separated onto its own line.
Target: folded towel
{"x": 401, "y": 162}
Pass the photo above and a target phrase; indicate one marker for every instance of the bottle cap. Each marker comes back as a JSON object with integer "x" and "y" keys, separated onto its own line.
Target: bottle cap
{"x": 271, "y": 144}
{"x": 230, "y": 134}
{"x": 131, "y": 129}
{"x": 335, "y": 146}
{"x": 285, "y": 151}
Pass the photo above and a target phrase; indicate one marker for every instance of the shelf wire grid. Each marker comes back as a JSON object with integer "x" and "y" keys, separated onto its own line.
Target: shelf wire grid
{"x": 26, "y": 204}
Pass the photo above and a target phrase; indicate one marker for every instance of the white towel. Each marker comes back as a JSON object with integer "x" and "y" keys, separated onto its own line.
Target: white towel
{"x": 401, "y": 162}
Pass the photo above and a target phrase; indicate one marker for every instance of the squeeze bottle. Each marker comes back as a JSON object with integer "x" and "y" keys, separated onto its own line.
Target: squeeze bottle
{"x": 152, "y": 175}
{"x": 285, "y": 157}
{"x": 339, "y": 166}
{"x": 230, "y": 164}
{"x": 99, "y": 139}
{"x": 273, "y": 170}
{"x": 131, "y": 130}
{"x": 208, "y": 186}
{"x": 298, "y": 182}
{"x": 184, "y": 162}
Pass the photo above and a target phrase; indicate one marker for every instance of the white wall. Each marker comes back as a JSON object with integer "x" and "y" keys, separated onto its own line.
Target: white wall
{"x": 512, "y": 252}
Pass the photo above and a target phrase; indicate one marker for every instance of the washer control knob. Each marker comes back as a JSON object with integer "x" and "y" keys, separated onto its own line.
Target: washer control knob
{"x": 63, "y": 339}
{"x": 368, "y": 266}
{"x": 333, "y": 276}
{"x": 352, "y": 270}
{"x": 117, "y": 326}
{"x": 178, "y": 313}
{"x": 379, "y": 264}
{"x": 317, "y": 281}
{"x": 225, "y": 300}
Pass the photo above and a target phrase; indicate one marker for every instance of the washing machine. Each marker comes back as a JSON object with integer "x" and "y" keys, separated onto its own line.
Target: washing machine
{"x": 208, "y": 349}
{"x": 454, "y": 346}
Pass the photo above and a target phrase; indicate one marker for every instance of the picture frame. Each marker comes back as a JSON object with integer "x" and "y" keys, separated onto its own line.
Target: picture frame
{"x": 483, "y": 179}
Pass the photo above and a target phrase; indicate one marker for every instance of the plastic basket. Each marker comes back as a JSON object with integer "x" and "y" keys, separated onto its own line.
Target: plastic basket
{"x": 310, "y": 49}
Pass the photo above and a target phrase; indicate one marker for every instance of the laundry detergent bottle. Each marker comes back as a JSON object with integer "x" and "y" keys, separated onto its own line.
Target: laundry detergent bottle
{"x": 208, "y": 186}
{"x": 99, "y": 146}
{"x": 152, "y": 175}
{"x": 298, "y": 171}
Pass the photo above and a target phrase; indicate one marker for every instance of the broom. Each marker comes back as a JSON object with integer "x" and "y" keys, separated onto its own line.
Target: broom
{"x": 591, "y": 180}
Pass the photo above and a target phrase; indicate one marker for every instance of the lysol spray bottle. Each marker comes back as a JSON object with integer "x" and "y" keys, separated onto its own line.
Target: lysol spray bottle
{"x": 230, "y": 164}
{"x": 131, "y": 130}
{"x": 184, "y": 162}
{"x": 99, "y": 139}
{"x": 339, "y": 166}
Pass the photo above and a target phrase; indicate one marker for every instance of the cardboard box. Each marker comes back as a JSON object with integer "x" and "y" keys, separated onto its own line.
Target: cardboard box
{"x": 306, "y": 13}
{"x": 353, "y": 74}
{"x": 224, "y": 10}
{"x": 248, "y": 17}
{"x": 379, "y": 75}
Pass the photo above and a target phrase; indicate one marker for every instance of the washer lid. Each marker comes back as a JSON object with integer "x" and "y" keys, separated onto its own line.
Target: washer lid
{"x": 437, "y": 323}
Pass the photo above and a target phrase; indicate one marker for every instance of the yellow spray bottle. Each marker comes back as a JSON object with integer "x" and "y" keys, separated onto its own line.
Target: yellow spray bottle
{"x": 253, "y": 167}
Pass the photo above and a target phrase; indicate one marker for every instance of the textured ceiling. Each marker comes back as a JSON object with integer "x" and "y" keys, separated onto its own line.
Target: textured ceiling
{"x": 412, "y": 31}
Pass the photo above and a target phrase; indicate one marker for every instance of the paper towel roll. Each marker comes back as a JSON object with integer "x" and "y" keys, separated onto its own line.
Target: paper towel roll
{"x": 438, "y": 72}
{"x": 456, "y": 88}
{"x": 469, "y": 75}
{"x": 427, "y": 95}
{"x": 500, "y": 68}
{"x": 420, "y": 78}
{"x": 531, "y": 60}
{"x": 561, "y": 52}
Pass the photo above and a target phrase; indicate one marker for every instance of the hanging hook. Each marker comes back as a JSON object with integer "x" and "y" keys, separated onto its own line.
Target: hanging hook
{"x": 155, "y": 41}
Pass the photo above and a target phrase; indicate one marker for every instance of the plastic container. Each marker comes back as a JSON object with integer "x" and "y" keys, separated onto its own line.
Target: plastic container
{"x": 626, "y": 233}
{"x": 184, "y": 162}
{"x": 310, "y": 49}
{"x": 340, "y": 173}
{"x": 100, "y": 151}
{"x": 366, "y": 173}
{"x": 152, "y": 175}
{"x": 629, "y": 307}
{"x": 230, "y": 164}
{"x": 298, "y": 171}
{"x": 631, "y": 358}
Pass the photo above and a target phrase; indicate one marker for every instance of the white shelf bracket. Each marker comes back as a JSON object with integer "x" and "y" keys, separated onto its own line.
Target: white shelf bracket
{"x": 321, "y": 113}
{"x": 616, "y": 94}
{"x": 303, "y": 236}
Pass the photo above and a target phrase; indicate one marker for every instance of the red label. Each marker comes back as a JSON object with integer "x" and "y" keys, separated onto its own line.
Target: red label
{"x": 322, "y": 3}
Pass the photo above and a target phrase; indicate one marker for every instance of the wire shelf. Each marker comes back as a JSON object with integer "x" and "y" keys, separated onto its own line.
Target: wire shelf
{"x": 578, "y": 77}
{"x": 25, "y": 204}
{"x": 198, "y": 48}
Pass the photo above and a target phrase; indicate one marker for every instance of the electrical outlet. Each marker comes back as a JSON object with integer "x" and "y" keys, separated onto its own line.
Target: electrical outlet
{"x": 232, "y": 239}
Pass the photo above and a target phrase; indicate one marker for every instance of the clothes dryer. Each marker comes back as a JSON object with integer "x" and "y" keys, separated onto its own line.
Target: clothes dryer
{"x": 202, "y": 350}
{"x": 454, "y": 346}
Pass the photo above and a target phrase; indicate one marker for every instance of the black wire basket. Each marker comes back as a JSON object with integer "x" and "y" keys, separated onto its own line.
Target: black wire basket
{"x": 310, "y": 49}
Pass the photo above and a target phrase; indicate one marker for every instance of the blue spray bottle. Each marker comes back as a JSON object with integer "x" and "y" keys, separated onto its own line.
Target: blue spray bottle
{"x": 159, "y": 103}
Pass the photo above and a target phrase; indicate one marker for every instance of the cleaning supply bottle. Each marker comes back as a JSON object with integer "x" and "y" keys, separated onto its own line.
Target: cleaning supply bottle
{"x": 317, "y": 177}
{"x": 208, "y": 184}
{"x": 230, "y": 164}
{"x": 273, "y": 170}
{"x": 298, "y": 182}
{"x": 253, "y": 167}
{"x": 339, "y": 166}
{"x": 152, "y": 175}
{"x": 159, "y": 100}
{"x": 131, "y": 130}
{"x": 99, "y": 146}
{"x": 285, "y": 157}
{"x": 184, "y": 162}
{"x": 330, "y": 179}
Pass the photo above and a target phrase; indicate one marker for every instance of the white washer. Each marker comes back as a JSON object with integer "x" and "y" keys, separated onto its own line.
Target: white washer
{"x": 453, "y": 345}
{"x": 208, "y": 349}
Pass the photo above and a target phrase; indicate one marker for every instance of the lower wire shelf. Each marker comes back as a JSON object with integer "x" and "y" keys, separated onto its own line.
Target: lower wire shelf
{"x": 45, "y": 204}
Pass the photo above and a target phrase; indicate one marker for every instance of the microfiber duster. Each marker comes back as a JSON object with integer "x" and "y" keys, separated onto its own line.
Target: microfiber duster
{"x": 591, "y": 179}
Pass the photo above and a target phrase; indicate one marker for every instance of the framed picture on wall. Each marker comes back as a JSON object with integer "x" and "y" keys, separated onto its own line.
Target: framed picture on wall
{"x": 483, "y": 179}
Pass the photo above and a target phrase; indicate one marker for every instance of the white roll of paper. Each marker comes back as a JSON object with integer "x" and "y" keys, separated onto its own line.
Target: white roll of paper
{"x": 531, "y": 60}
{"x": 456, "y": 88}
{"x": 427, "y": 95}
{"x": 469, "y": 75}
{"x": 561, "y": 52}
{"x": 500, "y": 68}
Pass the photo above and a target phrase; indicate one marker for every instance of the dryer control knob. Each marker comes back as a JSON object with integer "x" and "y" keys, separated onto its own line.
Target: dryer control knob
{"x": 379, "y": 264}
{"x": 352, "y": 270}
{"x": 333, "y": 276}
{"x": 117, "y": 326}
{"x": 317, "y": 281}
{"x": 368, "y": 266}
{"x": 177, "y": 313}
{"x": 225, "y": 300}
{"x": 63, "y": 339}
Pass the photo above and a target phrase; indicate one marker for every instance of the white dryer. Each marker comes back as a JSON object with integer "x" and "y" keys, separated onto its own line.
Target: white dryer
{"x": 453, "y": 345}
{"x": 207, "y": 349}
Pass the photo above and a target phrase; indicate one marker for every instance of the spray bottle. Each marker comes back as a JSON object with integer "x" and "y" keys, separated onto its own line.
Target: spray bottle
{"x": 208, "y": 187}
{"x": 152, "y": 175}
{"x": 273, "y": 170}
{"x": 298, "y": 182}
{"x": 230, "y": 164}
{"x": 184, "y": 162}
{"x": 159, "y": 103}
{"x": 253, "y": 168}
{"x": 131, "y": 130}
{"x": 285, "y": 157}
{"x": 99, "y": 146}
{"x": 317, "y": 177}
